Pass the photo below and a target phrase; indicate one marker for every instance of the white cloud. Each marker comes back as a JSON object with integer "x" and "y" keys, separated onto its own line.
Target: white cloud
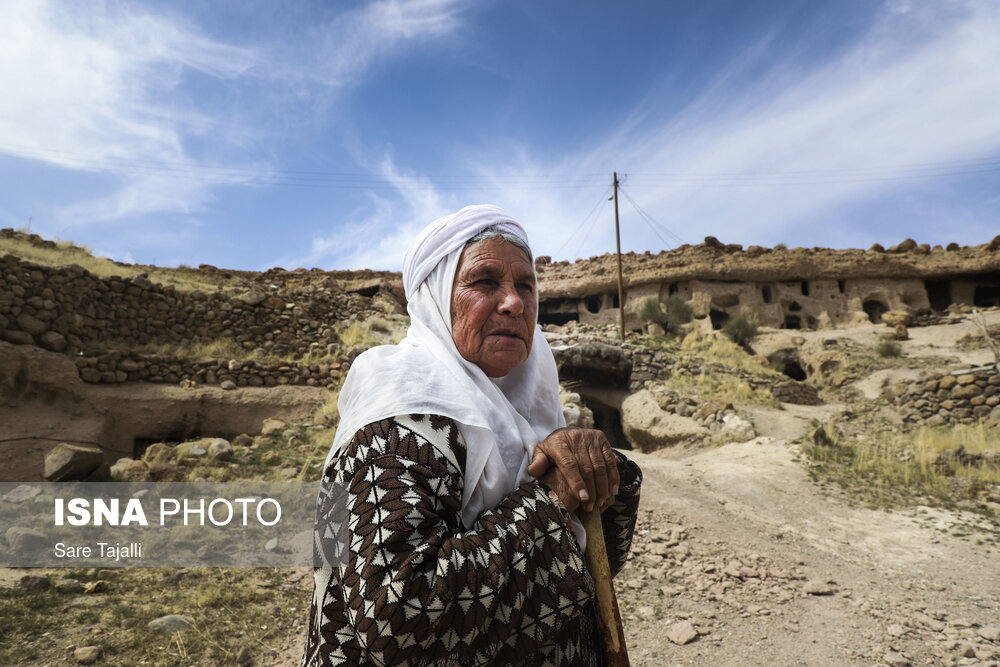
{"x": 95, "y": 89}
{"x": 348, "y": 45}
{"x": 84, "y": 82}
{"x": 92, "y": 94}
{"x": 919, "y": 94}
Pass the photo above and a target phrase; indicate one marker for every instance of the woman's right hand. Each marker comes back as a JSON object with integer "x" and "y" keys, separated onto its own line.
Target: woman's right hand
{"x": 579, "y": 466}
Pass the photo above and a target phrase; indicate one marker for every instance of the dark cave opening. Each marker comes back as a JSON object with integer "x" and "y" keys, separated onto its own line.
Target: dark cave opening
{"x": 875, "y": 310}
{"x": 719, "y": 318}
{"x": 939, "y": 294}
{"x": 608, "y": 420}
{"x": 986, "y": 296}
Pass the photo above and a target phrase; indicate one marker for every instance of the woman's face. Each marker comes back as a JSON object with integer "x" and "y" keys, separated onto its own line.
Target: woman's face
{"x": 493, "y": 306}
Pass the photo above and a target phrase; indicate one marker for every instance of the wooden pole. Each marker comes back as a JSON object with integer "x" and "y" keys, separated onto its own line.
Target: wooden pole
{"x": 608, "y": 616}
{"x": 618, "y": 246}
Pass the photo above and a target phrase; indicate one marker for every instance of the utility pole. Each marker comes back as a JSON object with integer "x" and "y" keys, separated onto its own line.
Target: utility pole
{"x": 618, "y": 244}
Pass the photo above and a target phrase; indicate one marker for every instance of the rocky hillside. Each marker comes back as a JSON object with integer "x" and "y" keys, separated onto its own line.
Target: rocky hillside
{"x": 714, "y": 260}
{"x": 823, "y": 494}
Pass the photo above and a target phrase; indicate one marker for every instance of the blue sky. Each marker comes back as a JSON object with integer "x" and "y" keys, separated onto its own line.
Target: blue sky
{"x": 256, "y": 134}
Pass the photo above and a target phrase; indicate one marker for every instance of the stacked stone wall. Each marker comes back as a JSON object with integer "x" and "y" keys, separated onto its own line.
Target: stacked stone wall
{"x": 96, "y": 319}
{"x": 940, "y": 400}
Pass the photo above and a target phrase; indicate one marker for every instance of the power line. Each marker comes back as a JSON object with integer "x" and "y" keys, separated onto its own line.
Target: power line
{"x": 586, "y": 234}
{"x": 352, "y": 180}
{"x": 298, "y": 178}
{"x": 643, "y": 218}
{"x": 572, "y": 236}
{"x": 652, "y": 222}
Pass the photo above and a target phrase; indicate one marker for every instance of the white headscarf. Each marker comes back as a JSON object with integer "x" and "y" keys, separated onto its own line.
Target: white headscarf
{"x": 500, "y": 419}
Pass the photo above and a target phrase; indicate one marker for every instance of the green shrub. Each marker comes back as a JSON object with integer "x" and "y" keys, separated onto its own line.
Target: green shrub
{"x": 651, "y": 312}
{"x": 780, "y": 246}
{"x": 678, "y": 311}
{"x": 888, "y": 348}
{"x": 741, "y": 329}
{"x": 670, "y": 314}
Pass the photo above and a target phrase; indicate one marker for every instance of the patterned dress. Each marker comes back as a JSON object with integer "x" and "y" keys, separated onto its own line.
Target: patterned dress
{"x": 410, "y": 585}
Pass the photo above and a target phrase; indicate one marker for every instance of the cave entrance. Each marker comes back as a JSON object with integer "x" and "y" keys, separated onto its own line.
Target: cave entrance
{"x": 986, "y": 296}
{"x": 368, "y": 291}
{"x": 140, "y": 445}
{"x": 558, "y": 312}
{"x": 719, "y": 318}
{"x": 787, "y": 361}
{"x": 558, "y": 319}
{"x": 594, "y": 304}
{"x": 793, "y": 369}
{"x": 939, "y": 294}
{"x": 874, "y": 309}
{"x": 609, "y": 421}
{"x": 793, "y": 322}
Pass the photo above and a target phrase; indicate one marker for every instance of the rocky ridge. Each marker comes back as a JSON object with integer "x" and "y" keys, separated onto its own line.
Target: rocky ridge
{"x": 730, "y": 262}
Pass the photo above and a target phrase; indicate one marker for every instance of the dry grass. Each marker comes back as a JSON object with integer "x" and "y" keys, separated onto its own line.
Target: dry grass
{"x": 929, "y": 442}
{"x": 329, "y": 413}
{"x": 723, "y": 351}
{"x": 723, "y": 388}
{"x": 976, "y": 341}
{"x": 371, "y": 332}
{"x": 889, "y": 473}
{"x": 888, "y": 348}
{"x": 257, "y": 608}
{"x": 232, "y": 608}
{"x": 64, "y": 253}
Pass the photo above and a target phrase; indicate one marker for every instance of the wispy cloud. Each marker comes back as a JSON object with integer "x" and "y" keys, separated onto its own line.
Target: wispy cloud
{"x": 775, "y": 158}
{"x": 890, "y": 109}
{"x": 102, "y": 90}
{"x": 89, "y": 90}
{"x": 348, "y": 45}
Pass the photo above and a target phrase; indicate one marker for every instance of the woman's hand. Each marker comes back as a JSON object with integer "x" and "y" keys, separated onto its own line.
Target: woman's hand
{"x": 578, "y": 464}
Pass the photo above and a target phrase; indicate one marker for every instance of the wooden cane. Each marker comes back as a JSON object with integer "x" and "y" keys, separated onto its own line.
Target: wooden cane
{"x": 609, "y": 618}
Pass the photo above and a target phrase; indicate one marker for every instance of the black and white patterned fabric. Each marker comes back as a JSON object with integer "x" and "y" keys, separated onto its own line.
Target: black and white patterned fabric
{"x": 405, "y": 583}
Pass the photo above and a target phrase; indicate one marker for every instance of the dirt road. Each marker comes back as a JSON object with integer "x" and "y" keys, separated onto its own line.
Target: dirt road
{"x": 739, "y": 541}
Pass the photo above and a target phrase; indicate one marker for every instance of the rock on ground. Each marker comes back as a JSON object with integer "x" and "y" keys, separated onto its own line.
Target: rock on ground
{"x": 172, "y": 623}
{"x": 682, "y": 632}
{"x": 21, "y": 539}
{"x": 648, "y": 427}
{"x": 87, "y": 655}
{"x": 68, "y": 462}
{"x": 272, "y": 426}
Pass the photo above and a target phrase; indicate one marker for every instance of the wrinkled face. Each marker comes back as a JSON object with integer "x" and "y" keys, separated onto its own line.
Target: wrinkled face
{"x": 493, "y": 306}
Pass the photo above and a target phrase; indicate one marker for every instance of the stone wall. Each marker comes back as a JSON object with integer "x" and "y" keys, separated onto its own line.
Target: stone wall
{"x": 939, "y": 399}
{"x": 72, "y": 311}
{"x": 125, "y": 366}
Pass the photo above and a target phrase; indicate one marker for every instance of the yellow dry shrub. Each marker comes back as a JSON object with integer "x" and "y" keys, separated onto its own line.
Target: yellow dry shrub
{"x": 723, "y": 351}
{"x": 65, "y": 253}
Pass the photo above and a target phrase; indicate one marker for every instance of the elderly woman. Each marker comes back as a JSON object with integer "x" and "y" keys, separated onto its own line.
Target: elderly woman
{"x": 451, "y": 489}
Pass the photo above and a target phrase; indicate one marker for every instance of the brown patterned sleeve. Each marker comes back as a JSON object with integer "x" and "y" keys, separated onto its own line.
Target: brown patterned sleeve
{"x": 417, "y": 586}
{"x": 619, "y": 519}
